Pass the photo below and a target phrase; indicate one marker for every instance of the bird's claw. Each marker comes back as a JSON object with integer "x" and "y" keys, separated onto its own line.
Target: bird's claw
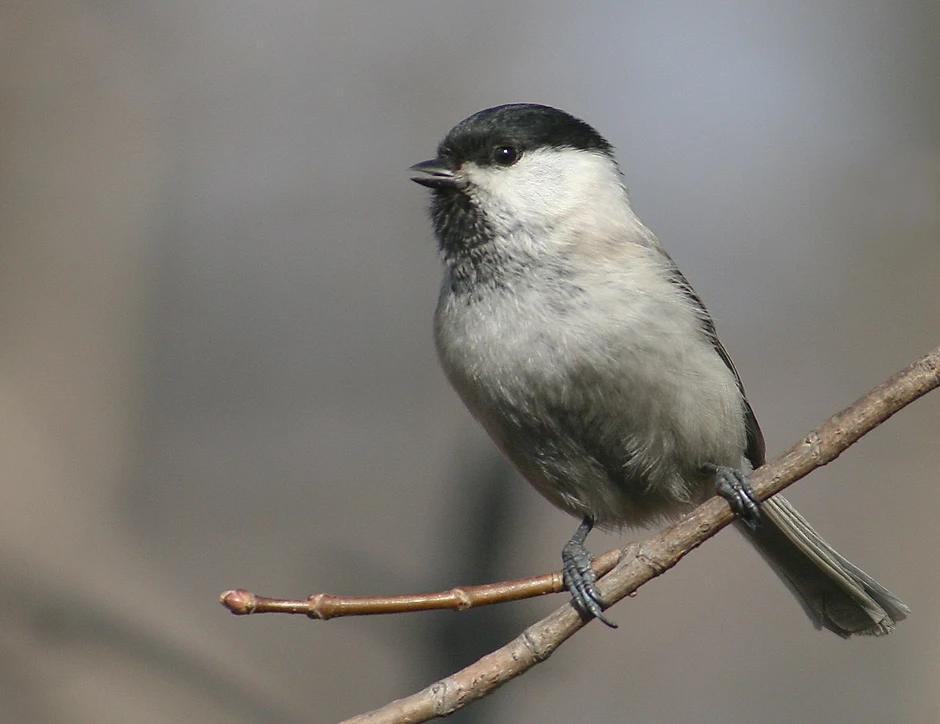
{"x": 579, "y": 577}
{"x": 733, "y": 486}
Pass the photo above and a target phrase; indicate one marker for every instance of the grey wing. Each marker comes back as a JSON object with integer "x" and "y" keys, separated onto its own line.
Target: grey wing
{"x": 756, "y": 450}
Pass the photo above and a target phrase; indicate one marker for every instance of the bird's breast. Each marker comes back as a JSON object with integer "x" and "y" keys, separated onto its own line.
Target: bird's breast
{"x": 608, "y": 401}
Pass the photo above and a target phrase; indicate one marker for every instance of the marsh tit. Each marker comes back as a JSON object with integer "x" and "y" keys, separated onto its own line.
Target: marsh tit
{"x": 575, "y": 341}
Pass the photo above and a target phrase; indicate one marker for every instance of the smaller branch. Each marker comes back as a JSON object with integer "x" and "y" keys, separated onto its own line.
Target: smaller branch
{"x": 325, "y": 606}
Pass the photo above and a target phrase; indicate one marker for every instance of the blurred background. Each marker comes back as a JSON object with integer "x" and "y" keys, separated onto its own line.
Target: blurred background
{"x": 216, "y": 367}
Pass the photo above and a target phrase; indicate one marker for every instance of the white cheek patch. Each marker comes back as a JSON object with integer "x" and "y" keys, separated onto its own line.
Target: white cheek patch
{"x": 545, "y": 188}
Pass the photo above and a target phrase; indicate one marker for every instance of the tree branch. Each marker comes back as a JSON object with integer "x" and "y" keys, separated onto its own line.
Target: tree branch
{"x": 645, "y": 560}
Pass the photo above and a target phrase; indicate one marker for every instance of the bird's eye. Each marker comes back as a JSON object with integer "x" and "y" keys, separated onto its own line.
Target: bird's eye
{"x": 505, "y": 155}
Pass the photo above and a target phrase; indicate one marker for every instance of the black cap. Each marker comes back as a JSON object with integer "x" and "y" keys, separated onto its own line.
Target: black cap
{"x": 524, "y": 126}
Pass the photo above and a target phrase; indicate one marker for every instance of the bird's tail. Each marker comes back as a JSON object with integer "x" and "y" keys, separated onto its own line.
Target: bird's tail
{"x": 835, "y": 593}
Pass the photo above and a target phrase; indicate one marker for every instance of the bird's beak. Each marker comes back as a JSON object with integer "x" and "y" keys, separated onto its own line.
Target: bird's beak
{"x": 434, "y": 174}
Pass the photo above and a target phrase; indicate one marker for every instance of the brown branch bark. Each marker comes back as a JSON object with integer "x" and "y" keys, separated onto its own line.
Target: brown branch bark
{"x": 645, "y": 560}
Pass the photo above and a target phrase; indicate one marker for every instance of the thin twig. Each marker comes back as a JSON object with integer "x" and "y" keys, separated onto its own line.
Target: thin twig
{"x": 323, "y": 606}
{"x": 648, "y": 559}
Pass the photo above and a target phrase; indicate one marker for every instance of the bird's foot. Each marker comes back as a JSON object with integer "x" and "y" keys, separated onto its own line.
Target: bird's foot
{"x": 732, "y": 485}
{"x": 580, "y": 577}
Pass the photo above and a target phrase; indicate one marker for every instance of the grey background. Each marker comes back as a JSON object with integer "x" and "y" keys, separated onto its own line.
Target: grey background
{"x": 216, "y": 369}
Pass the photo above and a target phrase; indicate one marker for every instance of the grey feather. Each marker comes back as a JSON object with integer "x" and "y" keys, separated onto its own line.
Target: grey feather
{"x": 836, "y": 594}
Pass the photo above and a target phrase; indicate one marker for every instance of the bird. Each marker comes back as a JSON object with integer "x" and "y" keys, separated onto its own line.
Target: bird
{"x": 575, "y": 341}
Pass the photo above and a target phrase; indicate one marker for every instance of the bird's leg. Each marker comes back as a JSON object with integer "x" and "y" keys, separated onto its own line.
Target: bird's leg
{"x": 732, "y": 485}
{"x": 579, "y": 576}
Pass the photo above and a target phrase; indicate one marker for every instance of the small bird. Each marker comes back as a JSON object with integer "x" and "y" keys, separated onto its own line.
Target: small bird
{"x": 573, "y": 338}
